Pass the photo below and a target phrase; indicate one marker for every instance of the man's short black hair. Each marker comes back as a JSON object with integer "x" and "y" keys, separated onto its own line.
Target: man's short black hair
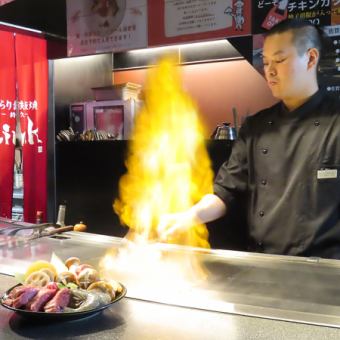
{"x": 305, "y": 34}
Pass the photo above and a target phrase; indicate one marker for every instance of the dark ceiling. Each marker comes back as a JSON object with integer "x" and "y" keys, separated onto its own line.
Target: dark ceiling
{"x": 48, "y": 16}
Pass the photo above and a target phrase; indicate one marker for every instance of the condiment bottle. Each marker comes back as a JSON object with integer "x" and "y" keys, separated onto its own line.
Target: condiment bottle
{"x": 39, "y": 217}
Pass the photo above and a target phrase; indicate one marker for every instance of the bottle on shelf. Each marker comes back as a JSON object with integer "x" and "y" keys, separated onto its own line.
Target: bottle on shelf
{"x": 39, "y": 217}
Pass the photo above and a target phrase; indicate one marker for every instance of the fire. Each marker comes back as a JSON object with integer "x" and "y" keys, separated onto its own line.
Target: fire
{"x": 168, "y": 166}
{"x": 168, "y": 170}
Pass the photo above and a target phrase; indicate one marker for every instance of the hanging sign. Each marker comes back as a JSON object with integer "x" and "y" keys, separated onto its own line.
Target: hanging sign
{"x": 32, "y": 105}
{"x": 97, "y": 26}
{"x": 7, "y": 122}
{"x": 4, "y": 2}
{"x": 330, "y": 62}
{"x": 175, "y": 21}
{"x": 267, "y": 13}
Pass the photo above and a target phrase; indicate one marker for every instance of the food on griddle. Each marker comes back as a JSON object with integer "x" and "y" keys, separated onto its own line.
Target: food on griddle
{"x": 67, "y": 277}
{"x": 38, "y": 279}
{"x": 82, "y": 267}
{"x": 103, "y": 287}
{"x": 72, "y": 264}
{"x": 87, "y": 276}
{"x": 89, "y": 300}
{"x": 59, "y": 301}
{"x": 76, "y": 290}
{"x": 49, "y": 272}
{"x": 44, "y": 295}
{"x": 20, "y": 296}
{"x": 39, "y": 265}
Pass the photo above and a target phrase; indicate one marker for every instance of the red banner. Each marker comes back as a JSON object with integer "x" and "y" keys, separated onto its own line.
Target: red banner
{"x": 4, "y": 2}
{"x": 177, "y": 21}
{"x": 7, "y": 122}
{"x": 32, "y": 78}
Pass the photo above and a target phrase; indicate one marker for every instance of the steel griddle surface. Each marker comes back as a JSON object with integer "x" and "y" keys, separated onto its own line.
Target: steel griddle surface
{"x": 276, "y": 287}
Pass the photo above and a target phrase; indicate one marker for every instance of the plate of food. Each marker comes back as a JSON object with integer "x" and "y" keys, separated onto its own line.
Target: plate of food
{"x": 63, "y": 293}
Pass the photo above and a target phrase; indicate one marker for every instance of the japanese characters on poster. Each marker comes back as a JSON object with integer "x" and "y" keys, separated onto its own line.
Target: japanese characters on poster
{"x": 196, "y": 17}
{"x": 267, "y": 13}
{"x": 330, "y": 63}
{"x": 9, "y": 108}
{"x": 97, "y": 26}
{"x": 173, "y": 21}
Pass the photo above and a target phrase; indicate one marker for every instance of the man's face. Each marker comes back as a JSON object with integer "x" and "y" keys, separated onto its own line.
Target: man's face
{"x": 285, "y": 71}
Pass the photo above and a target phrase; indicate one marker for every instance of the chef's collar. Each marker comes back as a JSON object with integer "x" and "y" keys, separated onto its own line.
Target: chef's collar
{"x": 306, "y": 107}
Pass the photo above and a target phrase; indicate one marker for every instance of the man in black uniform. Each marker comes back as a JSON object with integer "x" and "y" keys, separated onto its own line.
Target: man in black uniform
{"x": 286, "y": 158}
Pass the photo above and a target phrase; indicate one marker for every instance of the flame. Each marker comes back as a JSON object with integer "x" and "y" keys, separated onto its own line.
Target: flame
{"x": 168, "y": 167}
{"x": 168, "y": 171}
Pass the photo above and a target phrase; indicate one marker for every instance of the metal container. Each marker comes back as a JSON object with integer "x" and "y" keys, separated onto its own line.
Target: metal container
{"x": 224, "y": 131}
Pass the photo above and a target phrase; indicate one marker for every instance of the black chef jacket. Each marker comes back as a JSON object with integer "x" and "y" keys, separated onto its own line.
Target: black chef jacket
{"x": 288, "y": 164}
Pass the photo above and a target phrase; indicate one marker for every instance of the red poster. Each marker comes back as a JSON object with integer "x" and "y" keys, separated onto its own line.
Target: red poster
{"x": 4, "y": 2}
{"x": 32, "y": 78}
{"x": 177, "y": 21}
{"x": 335, "y": 12}
{"x": 7, "y": 122}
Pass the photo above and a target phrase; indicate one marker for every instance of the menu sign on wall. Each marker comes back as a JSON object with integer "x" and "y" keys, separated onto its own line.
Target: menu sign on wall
{"x": 267, "y": 13}
{"x": 173, "y": 21}
{"x": 196, "y": 17}
{"x": 97, "y": 26}
{"x": 330, "y": 64}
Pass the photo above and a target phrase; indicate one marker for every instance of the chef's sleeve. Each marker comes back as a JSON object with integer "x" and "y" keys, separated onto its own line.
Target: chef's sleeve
{"x": 232, "y": 177}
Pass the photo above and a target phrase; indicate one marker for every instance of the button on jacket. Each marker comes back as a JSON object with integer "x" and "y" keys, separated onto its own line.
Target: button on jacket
{"x": 288, "y": 163}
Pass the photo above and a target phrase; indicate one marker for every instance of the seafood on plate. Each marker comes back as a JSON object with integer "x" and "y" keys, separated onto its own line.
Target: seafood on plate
{"x": 77, "y": 289}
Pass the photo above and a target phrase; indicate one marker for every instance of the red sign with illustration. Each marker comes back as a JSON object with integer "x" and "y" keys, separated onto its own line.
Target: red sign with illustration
{"x": 4, "y": 2}
{"x": 7, "y": 122}
{"x": 24, "y": 98}
{"x": 32, "y": 78}
{"x": 177, "y": 21}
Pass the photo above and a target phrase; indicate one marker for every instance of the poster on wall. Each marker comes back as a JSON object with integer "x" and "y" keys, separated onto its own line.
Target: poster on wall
{"x": 267, "y": 13}
{"x": 335, "y": 20}
{"x": 4, "y": 2}
{"x": 7, "y": 122}
{"x": 32, "y": 107}
{"x": 330, "y": 63}
{"x": 98, "y": 26}
{"x": 176, "y": 21}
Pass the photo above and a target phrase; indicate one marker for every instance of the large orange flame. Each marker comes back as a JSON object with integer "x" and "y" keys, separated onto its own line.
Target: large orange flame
{"x": 168, "y": 168}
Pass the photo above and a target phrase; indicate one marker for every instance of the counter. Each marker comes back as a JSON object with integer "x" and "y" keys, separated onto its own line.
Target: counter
{"x": 261, "y": 289}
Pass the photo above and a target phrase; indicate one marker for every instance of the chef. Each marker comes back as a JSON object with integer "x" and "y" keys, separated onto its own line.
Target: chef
{"x": 286, "y": 158}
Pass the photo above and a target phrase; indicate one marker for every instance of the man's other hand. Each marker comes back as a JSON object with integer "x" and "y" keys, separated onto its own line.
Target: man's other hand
{"x": 170, "y": 224}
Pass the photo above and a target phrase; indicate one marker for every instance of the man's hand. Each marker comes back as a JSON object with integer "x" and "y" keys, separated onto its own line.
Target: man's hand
{"x": 170, "y": 224}
{"x": 209, "y": 208}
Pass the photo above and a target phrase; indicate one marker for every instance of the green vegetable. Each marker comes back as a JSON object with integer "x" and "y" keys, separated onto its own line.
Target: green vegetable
{"x": 71, "y": 285}
{"x": 60, "y": 285}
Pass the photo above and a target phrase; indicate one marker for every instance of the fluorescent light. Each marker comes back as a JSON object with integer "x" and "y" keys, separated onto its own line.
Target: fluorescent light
{"x": 181, "y": 46}
{"x": 20, "y": 27}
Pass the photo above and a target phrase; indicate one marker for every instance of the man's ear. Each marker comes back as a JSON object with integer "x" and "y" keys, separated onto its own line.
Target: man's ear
{"x": 313, "y": 57}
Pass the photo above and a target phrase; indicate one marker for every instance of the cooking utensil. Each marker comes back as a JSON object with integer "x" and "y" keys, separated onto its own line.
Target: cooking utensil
{"x": 224, "y": 131}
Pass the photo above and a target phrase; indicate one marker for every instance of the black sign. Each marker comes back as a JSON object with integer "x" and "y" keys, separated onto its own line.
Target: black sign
{"x": 330, "y": 61}
{"x": 267, "y": 13}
